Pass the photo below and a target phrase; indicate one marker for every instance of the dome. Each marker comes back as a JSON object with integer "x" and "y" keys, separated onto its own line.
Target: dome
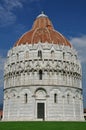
{"x": 42, "y": 31}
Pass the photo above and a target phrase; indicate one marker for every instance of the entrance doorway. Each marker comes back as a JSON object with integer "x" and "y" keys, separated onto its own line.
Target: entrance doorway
{"x": 40, "y": 111}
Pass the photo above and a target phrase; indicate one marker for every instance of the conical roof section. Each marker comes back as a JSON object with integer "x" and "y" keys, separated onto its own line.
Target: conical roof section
{"x": 42, "y": 31}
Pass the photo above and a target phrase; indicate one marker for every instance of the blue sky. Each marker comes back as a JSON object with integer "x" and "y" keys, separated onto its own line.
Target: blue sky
{"x": 67, "y": 16}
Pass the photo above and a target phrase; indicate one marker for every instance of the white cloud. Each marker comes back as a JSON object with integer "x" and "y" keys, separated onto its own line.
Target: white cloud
{"x": 11, "y": 4}
{"x": 79, "y": 44}
{"x": 79, "y": 41}
{"x": 7, "y": 16}
{"x": 7, "y": 7}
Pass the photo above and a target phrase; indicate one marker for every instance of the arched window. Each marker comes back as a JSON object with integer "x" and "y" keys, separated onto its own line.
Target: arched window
{"x": 63, "y": 55}
{"x": 26, "y": 96}
{"x": 40, "y": 74}
{"x": 68, "y": 98}
{"x": 55, "y": 98}
{"x": 40, "y": 53}
{"x": 75, "y": 57}
{"x": 17, "y": 56}
{"x": 52, "y": 53}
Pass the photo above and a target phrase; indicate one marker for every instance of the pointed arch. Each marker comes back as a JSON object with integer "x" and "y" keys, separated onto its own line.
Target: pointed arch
{"x": 55, "y": 98}
{"x": 26, "y": 97}
{"x": 40, "y": 53}
{"x": 40, "y": 74}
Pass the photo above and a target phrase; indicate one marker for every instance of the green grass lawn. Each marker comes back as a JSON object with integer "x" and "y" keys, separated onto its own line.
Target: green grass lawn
{"x": 42, "y": 125}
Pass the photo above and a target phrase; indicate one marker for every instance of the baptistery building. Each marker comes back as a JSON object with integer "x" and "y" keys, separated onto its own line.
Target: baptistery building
{"x": 42, "y": 77}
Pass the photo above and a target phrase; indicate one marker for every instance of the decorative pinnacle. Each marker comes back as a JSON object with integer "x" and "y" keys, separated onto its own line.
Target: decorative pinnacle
{"x": 42, "y": 12}
{"x": 42, "y": 15}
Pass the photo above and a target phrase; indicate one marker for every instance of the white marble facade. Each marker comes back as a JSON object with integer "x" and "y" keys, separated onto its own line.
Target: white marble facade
{"x": 43, "y": 81}
{"x": 42, "y": 73}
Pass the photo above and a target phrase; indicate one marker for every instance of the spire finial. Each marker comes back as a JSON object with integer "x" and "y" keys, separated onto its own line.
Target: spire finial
{"x": 42, "y": 12}
{"x": 42, "y": 15}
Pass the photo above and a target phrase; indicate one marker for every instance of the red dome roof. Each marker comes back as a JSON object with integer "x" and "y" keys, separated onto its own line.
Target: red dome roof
{"x": 42, "y": 31}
